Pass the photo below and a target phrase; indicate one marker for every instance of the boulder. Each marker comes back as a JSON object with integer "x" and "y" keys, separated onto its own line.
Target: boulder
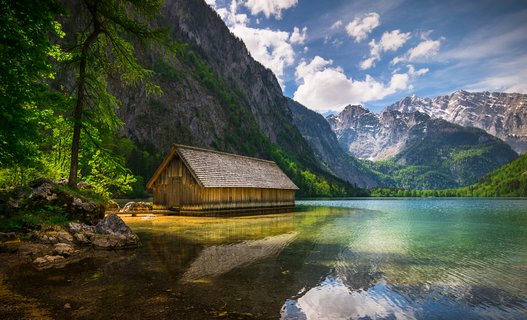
{"x": 75, "y": 227}
{"x": 63, "y": 249}
{"x": 136, "y": 206}
{"x": 110, "y": 233}
{"x": 114, "y": 241}
{"x": 112, "y": 224}
{"x": 46, "y": 193}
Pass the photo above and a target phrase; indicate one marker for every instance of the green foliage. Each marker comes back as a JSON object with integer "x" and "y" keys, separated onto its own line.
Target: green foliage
{"x": 34, "y": 220}
{"x": 439, "y": 168}
{"x": 26, "y": 63}
{"x": 507, "y": 181}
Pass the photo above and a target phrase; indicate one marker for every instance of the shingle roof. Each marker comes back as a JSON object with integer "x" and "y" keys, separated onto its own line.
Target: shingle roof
{"x": 213, "y": 169}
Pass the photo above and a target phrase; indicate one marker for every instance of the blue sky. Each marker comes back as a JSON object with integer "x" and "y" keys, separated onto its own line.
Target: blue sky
{"x": 327, "y": 54}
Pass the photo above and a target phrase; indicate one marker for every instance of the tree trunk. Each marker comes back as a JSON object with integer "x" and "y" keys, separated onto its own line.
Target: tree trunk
{"x": 77, "y": 113}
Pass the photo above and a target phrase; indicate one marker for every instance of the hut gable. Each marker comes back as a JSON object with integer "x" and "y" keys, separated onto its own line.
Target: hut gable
{"x": 213, "y": 169}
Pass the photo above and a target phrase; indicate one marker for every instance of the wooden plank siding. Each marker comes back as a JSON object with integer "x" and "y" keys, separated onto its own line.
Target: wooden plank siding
{"x": 177, "y": 189}
{"x": 198, "y": 180}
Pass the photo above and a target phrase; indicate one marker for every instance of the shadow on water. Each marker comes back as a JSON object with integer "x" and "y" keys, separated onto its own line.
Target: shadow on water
{"x": 381, "y": 260}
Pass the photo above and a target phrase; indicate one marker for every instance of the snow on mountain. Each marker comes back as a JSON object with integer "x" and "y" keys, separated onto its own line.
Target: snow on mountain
{"x": 503, "y": 115}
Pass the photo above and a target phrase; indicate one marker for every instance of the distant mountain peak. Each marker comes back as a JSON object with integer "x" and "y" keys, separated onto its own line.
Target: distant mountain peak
{"x": 503, "y": 115}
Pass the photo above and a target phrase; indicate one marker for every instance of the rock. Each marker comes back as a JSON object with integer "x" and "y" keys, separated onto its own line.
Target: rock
{"x": 84, "y": 185}
{"x": 64, "y": 249}
{"x": 64, "y": 237}
{"x": 40, "y": 261}
{"x": 42, "y": 190}
{"x": 112, "y": 233}
{"x": 112, "y": 224}
{"x": 44, "y": 193}
{"x": 115, "y": 241}
{"x": 9, "y": 242}
{"x": 67, "y": 306}
{"x": 83, "y": 237}
{"x": 62, "y": 181}
{"x": 48, "y": 260}
{"x": 136, "y": 206}
{"x": 109, "y": 233}
{"x": 75, "y": 227}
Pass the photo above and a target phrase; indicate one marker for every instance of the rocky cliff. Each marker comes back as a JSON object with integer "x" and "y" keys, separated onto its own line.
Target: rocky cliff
{"x": 503, "y": 115}
{"x": 317, "y": 131}
{"x": 212, "y": 90}
{"x": 215, "y": 95}
{"x": 367, "y": 135}
{"x": 419, "y": 151}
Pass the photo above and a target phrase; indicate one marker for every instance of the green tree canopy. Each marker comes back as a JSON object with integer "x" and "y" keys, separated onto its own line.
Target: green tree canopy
{"x": 26, "y": 63}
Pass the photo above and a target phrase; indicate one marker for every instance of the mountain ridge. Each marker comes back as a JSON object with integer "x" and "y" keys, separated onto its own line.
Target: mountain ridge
{"x": 503, "y": 115}
{"x": 417, "y": 151}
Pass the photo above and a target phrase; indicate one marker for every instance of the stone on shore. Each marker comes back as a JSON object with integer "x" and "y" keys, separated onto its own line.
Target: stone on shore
{"x": 110, "y": 233}
{"x": 64, "y": 249}
{"x": 136, "y": 206}
{"x": 48, "y": 260}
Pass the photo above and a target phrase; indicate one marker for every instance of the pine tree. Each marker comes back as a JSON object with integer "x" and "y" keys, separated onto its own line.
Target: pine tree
{"x": 105, "y": 49}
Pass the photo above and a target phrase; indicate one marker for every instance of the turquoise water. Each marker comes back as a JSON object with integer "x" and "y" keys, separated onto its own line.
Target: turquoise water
{"x": 345, "y": 259}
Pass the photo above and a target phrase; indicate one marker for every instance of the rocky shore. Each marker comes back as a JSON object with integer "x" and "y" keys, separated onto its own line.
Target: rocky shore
{"x": 56, "y": 246}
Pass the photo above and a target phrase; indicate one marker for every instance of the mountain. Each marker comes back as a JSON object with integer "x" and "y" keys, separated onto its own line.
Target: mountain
{"x": 367, "y": 135}
{"x": 215, "y": 95}
{"x": 507, "y": 181}
{"x": 317, "y": 131}
{"x": 419, "y": 152}
{"x": 503, "y": 115}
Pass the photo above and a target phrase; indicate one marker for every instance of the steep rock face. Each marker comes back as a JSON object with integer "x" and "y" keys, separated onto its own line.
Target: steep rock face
{"x": 215, "y": 95}
{"x": 369, "y": 136}
{"x": 423, "y": 153}
{"x": 317, "y": 131}
{"x": 503, "y": 115}
{"x": 198, "y": 109}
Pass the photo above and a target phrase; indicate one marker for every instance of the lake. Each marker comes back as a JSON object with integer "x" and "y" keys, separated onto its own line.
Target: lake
{"x": 341, "y": 259}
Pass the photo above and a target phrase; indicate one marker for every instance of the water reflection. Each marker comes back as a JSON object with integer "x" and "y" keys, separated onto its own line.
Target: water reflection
{"x": 332, "y": 299}
{"x": 217, "y": 260}
{"x": 334, "y": 260}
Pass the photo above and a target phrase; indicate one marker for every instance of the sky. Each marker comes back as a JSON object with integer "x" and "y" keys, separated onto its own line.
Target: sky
{"x": 328, "y": 54}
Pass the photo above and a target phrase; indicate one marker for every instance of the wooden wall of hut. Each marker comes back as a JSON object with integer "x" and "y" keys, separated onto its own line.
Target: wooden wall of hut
{"x": 177, "y": 189}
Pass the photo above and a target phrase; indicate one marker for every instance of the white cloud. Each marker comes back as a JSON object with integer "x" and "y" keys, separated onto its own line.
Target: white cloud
{"x": 211, "y": 3}
{"x": 336, "y": 25}
{"x": 367, "y": 63}
{"x": 415, "y": 73}
{"x": 270, "y": 7}
{"x": 324, "y": 87}
{"x": 424, "y": 50}
{"x": 297, "y": 36}
{"x": 272, "y": 48}
{"x": 359, "y": 28}
{"x": 390, "y": 41}
{"x": 393, "y": 40}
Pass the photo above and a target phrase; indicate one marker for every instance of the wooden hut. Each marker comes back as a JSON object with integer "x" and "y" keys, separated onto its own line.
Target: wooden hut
{"x": 193, "y": 180}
